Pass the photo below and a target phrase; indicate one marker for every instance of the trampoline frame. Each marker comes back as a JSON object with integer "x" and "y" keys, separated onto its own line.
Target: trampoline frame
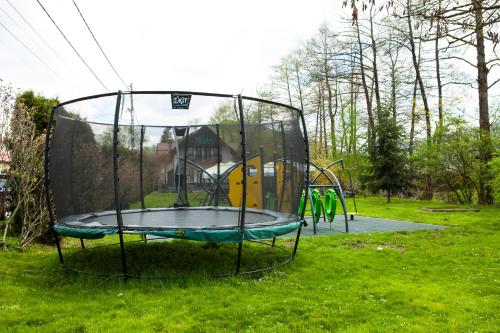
{"x": 288, "y": 257}
{"x": 116, "y": 182}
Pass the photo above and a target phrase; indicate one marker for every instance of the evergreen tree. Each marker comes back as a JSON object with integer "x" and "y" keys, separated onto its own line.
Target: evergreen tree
{"x": 388, "y": 158}
{"x": 166, "y": 136}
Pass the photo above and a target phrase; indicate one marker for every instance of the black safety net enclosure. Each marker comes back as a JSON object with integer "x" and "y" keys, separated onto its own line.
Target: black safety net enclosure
{"x": 198, "y": 166}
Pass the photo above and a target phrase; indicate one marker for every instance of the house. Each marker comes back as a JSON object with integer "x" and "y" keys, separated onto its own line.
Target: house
{"x": 5, "y": 159}
{"x": 200, "y": 154}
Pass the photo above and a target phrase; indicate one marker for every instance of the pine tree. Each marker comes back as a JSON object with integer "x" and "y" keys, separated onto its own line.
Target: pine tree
{"x": 388, "y": 158}
{"x": 166, "y": 136}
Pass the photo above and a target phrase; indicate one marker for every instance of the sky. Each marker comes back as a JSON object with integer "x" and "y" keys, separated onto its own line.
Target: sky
{"x": 216, "y": 46}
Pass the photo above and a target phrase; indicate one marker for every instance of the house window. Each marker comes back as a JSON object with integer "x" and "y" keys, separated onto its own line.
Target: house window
{"x": 251, "y": 171}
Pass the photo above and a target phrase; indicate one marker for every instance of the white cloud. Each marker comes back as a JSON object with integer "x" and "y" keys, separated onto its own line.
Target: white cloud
{"x": 216, "y": 46}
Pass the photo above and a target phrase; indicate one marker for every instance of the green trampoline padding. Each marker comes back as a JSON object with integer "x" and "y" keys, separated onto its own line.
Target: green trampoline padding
{"x": 207, "y": 235}
{"x": 85, "y": 233}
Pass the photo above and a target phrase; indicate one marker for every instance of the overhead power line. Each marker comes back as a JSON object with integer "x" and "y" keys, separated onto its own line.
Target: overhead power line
{"x": 36, "y": 32}
{"x": 99, "y": 45}
{"x": 74, "y": 49}
{"x": 39, "y": 36}
{"x": 29, "y": 49}
{"x": 10, "y": 17}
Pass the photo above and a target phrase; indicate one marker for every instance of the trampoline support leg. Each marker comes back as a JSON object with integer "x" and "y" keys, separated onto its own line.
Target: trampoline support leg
{"x": 59, "y": 251}
{"x": 124, "y": 261}
{"x": 296, "y": 242}
{"x": 238, "y": 260}
{"x": 81, "y": 243}
{"x": 274, "y": 240}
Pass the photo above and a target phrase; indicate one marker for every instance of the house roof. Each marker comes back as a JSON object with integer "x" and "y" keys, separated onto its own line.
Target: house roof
{"x": 164, "y": 147}
{"x": 4, "y": 155}
{"x": 204, "y": 135}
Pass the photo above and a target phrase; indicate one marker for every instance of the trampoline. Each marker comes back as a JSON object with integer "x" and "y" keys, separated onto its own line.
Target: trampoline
{"x": 224, "y": 169}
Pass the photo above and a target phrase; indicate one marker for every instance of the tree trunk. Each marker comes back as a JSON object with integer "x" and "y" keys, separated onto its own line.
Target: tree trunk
{"x": 321, "y": 119}
{"x": 393, "y": 85}
{"x": 299, "y": 87}
{"x": 332, "y": 117}
{"x": 343, "y": 137}
{"x": 375, "y": 69}
{"x": 288, "y": 86}
{"x": 416, "y": 65}
{"x": 485, "y": 150}
{"x": 353, "y": 124}
{"x": 325, "y": 141}
{"x": 428, "y": 177}
{"x": 438, "y": 69}
{"x": 413, "y": 119}
{"x": 352, "y": 118}
{"x": 371, "y": 123}
{"x": 316, "y": 132}
{"x": 411, "y": 145}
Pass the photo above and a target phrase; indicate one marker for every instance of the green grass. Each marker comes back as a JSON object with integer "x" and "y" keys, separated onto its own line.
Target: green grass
{"x": 423, "y": 281}
{"x": 167, "y": 199}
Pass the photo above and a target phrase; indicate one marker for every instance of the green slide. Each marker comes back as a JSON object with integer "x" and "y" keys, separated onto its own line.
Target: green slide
{"x": 330, "y": 204}
{"x": 317, "y": 205}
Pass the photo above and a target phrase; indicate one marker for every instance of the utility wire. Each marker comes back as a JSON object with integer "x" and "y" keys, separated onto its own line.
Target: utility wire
{"x": 36, "y": 32}
{"x": 10, "y": 18}
{"x": 39, "y": 36}
{"x": 29, "y": 49}
{"x": 99, "y": 45}
{"x": 67, "y": 40}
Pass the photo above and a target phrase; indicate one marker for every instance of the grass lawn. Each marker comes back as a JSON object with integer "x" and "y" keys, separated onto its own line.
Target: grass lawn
{"x": 167, "y": 199}
{"x": 423, "y": 281}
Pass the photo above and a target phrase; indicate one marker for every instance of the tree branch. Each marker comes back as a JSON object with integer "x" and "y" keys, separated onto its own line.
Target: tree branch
{"x": 459, "y": 58}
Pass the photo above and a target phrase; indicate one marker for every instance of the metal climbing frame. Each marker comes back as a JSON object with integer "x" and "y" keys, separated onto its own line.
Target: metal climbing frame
{"x": 334, "y": 184}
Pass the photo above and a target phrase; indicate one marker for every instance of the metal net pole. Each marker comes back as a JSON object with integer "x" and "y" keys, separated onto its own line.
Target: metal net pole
{"x": 47, "y": 183}
{"x": 243, "y": 181}
{"x": 141, "y": 167}
{"x": 306, "y": 182}
{"x": 116, "y": 180}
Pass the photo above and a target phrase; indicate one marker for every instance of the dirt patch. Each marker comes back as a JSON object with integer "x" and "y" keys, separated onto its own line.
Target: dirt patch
{"x": 449, "y": 210}
{"x": 356, "y": 244}
{"x": 395, "y": 247}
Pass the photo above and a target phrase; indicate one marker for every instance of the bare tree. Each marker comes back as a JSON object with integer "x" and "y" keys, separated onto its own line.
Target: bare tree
{"x": 366, "y": 89}
{"x": 374, "y": 47}
{"x": 7, "y": 99}
{"x": 418, "y": 74}
{"x": 27, "y": 175}
{"x": 471, "y": 23}
{"x": 321, "y": 53}
{"x": 26, "y": 171}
